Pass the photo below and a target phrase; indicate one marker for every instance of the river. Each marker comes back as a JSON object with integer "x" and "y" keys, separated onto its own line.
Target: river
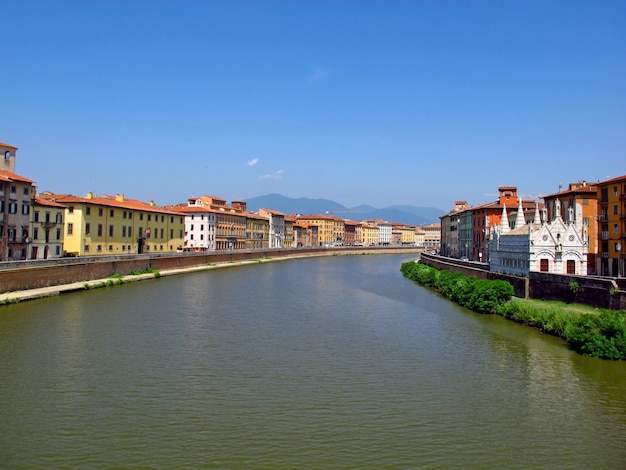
{"x": 334, "y": 362}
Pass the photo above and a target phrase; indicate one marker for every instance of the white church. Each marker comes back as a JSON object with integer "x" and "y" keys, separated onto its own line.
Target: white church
{"x": 558, "y": 246}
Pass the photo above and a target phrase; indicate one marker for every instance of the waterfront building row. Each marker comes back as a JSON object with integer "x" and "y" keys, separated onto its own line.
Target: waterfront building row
{"x": 579, "y": 230}
{"x": 48, "y": 225}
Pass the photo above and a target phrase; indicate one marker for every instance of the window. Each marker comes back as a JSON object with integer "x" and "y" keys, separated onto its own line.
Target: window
{"x": 70, "y": 229}
{"x": 614, "y": 190}
{"x": 58, "y": 234}
{"x": 149, "y": 217}
{"x": 130, "y": 232}
{"x": 99, "y": 230}
{"x": 124, "y": 229}
{"x": 13, "y": 189}
{"x": 47, "y": 217}
{"x": 617, "y": 247}
{"x": 86, "y": 248}
{"x": 110, "y": 230}
{"x": 58, "y": 250}
{"x": 87, "y": 229}
{"x": 615, "y": 209}
{"x": 124, "y": 215}
{"x": 35, "y": 233}
{"x": 12, "y": 207}
{"x": 171, "y": 233}
{"x": 615, "y": 228}
{"x": 544, "y": 264}
{"x": 26, "y": 191}
{"x": 11, "y": 234}
{"x": 141, "y": 216}
{"x": 88, "y": 210}
{"x": 172, "y": 219}
{"x": 100, "y": 211}
{"x": 25, "y": 208}
{"x": 162, "y": 220}
{"x": 191, "y": 227}
{"x": 140, "y": 232}
{"x": 70, "y": 209}
{"x": 110, "y": 247}
{"x": 59, "y": 218}
{"x": 99, "y": 248}
{"x": 112, "y": 213}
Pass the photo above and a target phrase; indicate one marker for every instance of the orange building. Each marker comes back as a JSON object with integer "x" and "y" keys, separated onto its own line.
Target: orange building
{"x": 488, "y": 216}
{"x": 612, "y": 227}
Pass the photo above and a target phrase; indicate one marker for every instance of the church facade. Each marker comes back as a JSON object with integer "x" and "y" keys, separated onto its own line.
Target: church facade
{"x": 558, "y": 246}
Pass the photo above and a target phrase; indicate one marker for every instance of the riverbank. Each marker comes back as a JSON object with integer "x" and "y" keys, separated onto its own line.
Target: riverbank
{"x": 589, "y": 331}
{"x": 149, "y": 273}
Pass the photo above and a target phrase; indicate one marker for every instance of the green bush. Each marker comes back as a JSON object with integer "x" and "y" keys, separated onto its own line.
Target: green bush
{"x": 601, "y": 335}
{"x": 482, "y": 296}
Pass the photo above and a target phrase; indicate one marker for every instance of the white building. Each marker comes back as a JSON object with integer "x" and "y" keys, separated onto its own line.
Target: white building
{"x": 555, "y": 247}
{"x": 200, "y": 226}
{"x": 277, "y": 227}
{"x": 384, "y": 233}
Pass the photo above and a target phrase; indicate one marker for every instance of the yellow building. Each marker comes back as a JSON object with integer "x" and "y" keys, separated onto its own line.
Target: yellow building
{"x": 407, "y": 234}
{"x": 257, "y": 231}
{"x": 115, "y": 225}
{"x": 369, "y": 233}
{"x": 331, "y": 229}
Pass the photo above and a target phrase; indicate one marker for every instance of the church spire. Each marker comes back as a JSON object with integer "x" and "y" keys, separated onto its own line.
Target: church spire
{"x": 504, "y": 223}
{"x": 537, "y": 215}
{"x": 520, "y": 220}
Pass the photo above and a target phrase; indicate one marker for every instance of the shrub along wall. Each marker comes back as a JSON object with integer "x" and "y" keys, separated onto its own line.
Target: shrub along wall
{"x": 600, "y": 335}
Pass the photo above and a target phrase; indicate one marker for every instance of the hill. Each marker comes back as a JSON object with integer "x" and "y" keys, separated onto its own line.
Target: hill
{"x": 411, "y": 215}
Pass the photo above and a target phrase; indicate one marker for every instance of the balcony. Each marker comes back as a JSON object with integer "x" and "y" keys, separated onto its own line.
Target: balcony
{"x": 605, "y": 235}
{"x": 48, "y": 224}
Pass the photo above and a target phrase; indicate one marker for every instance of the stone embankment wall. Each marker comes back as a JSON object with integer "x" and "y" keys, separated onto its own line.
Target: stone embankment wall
{"x": 479, "y": 270}
{"x": 24, "y": 275}
{"x": 599, "y": 292}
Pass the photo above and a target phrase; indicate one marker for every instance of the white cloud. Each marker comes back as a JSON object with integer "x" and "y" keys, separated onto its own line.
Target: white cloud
{"x": 253, "y": 162}
{"x": 319, "y": 73}
{"x": 274, "y": 176}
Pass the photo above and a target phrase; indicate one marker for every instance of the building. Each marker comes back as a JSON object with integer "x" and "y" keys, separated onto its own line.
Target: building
{"x": 47, "y": 229}
{"x": 487, "y": 216}
{"x": 257, "y": 231}
{"x": 277, "y": 227}
{"x": 612, "y": 227}
{"x": 351, "y": 236}
{"x": 450, "y": 230}
{"x": 200, "y": 225}
{"x": 370, "y": 234}
{"x": 432, "y": 237}
{"x": 330, "y": 229}
{"x": 116, "y": 225}
{"x": 230, "y": 221}
{"x": 419, "y": 237}
{"x": 586, "y": 195}
{"x": 17, "y": 194}
{"x": 556, "y": 246}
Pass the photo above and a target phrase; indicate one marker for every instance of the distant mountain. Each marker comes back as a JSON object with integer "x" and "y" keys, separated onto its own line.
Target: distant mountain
{"x": 411, "y": 215}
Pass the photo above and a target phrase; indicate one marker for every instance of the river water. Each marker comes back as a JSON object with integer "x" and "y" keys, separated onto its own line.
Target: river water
{"x": 334, "y": 362}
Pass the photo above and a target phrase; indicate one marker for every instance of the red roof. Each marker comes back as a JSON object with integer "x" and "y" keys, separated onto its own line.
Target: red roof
{"x": 8, "y": 176}
{"x": 111, "y": 201}
{"x": 2, "y": 144}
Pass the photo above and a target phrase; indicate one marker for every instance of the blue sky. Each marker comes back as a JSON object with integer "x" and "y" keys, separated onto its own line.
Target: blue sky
{"x": 362, "y": 102}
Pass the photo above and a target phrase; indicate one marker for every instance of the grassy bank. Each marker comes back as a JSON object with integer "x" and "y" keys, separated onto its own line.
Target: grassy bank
{"x": 588, "y": 331}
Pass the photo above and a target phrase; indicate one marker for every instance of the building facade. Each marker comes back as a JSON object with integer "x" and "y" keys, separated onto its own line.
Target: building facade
{"x": 611, "y": 260}
{"x": 556, "y": 246}
{"x": 116, "y": 225}
{"x": 46, "y": 229}
{"x": 585, "y": 195}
